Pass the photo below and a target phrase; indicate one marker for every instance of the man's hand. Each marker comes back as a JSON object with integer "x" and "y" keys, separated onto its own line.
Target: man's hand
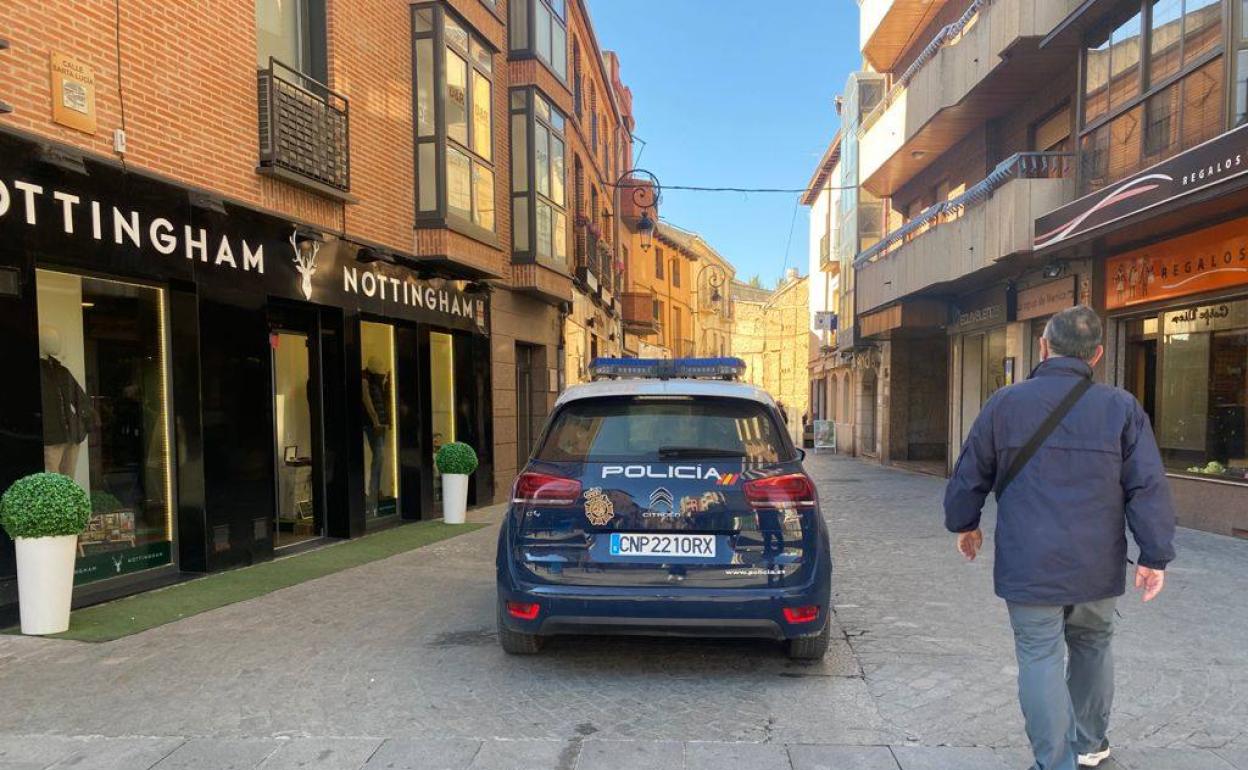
{"x": 1151, "y": 580}
{"x": 969, "y": 543}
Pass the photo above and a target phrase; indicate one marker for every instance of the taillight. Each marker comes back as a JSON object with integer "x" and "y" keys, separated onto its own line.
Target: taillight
{"x": 545, "y": 489}
{"x": 523, "y": 610}
{"x": 807, "y": 614}
{"x": 785, "y": 491}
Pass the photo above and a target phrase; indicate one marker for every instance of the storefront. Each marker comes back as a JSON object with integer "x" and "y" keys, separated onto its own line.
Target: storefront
{"x": 1170, "y": 246}
{"x": 1179, "y": 309}
{"x": 980, "y": 362}
{"x": 224, "y": 382}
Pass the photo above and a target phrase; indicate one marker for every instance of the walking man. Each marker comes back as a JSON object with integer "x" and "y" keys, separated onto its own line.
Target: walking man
{"x": 1073, "y": 465}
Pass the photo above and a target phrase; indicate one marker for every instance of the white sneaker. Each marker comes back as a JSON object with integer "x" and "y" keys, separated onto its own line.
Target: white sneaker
{"x": 1094, "y": 758}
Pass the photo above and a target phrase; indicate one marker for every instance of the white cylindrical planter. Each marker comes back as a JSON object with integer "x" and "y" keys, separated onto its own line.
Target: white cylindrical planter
{"x": 454, "y": 497}
{"x": 45, "y": 582}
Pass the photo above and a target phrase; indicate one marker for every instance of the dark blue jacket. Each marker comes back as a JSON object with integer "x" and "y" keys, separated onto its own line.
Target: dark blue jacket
{"x": 1061, "y": 524}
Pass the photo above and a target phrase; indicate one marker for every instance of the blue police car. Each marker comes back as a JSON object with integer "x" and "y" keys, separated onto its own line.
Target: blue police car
{"x": 665, "y": 498}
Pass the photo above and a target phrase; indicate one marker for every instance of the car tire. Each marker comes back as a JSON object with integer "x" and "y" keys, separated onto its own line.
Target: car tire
{"x": 517, "y": 642}
{"x": 810, "y": 647}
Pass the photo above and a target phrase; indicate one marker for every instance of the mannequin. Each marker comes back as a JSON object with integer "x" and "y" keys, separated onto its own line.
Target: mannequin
{"x": 66, "y": 407}
{"x": 376, "y": 403}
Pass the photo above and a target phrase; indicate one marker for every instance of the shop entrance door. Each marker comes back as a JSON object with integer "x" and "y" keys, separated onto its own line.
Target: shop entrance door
{"x": 296, "y": 436}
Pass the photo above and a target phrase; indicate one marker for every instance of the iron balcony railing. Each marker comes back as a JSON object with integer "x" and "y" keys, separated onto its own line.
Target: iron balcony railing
{"x": 1022, "y": 165}
{"x": 304, "y": 127}
{"x": 947, "y": 35}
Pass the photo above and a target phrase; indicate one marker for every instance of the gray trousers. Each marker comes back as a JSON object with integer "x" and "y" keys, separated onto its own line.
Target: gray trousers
{"x": 1065, "y": 703}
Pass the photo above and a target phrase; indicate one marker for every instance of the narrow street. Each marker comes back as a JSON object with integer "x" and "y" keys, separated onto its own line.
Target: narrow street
{"x": 395, "y": 665}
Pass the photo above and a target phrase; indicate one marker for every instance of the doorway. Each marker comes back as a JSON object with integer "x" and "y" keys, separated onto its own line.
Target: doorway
{"x": 526, "y": 431}
{"x": 296, "y": 436}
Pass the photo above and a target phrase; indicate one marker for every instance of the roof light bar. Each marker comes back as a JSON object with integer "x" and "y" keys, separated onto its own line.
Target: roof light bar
{"x": 726, "y": 368}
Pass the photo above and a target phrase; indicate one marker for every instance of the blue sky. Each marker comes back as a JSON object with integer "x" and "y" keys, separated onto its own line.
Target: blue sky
{"x": 730, "y": 93}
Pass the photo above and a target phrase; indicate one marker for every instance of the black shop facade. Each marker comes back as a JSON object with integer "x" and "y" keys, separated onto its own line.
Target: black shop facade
{"x": 227, "y": 384}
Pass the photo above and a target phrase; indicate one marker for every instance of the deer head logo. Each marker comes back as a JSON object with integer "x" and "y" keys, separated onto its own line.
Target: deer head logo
{"x": 118, "y": 561}
{"x": 305, "y": 263}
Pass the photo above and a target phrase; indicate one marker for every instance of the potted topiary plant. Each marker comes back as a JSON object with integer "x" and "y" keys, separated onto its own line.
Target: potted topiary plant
{"x": 44, "y": 513}
{"x": 455, "y": 461}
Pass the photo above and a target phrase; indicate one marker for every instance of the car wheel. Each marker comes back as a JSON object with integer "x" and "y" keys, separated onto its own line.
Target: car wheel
{"x": 810, "y": 647}
{"x": 517, "y": 642}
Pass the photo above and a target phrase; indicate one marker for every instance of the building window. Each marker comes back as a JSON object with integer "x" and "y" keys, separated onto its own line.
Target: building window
{"x": 539, "y": 178}
{"x": 655, "y": 309}
{"x": 676, "y": 273}
{"x": 454, "y": 72}
{"x": 576, "y": 76}
{"x": 105, "y": 391}
{"x": 658, "y": 263}
{"x": 379, "y": 408}
{"x": 1186, "y": 366}
{"x": 1152, "y": 87}
{"x": 538, "y": 29}
{"x": 293, "y": 33}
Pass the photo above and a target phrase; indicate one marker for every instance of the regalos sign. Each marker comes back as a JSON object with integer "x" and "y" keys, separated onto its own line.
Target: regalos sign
{"x": 1209, "y": 259}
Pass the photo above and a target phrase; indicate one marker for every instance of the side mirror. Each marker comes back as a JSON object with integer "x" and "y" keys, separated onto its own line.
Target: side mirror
{"x": 801, "y": 453}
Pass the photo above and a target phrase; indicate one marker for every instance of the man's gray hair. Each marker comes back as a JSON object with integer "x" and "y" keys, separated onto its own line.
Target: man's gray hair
{"x": 1075, "y": 332}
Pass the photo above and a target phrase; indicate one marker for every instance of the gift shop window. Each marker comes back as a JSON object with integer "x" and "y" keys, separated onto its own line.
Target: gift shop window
{"x": 105, "y": 387}
{"x": 1189, "y": 367}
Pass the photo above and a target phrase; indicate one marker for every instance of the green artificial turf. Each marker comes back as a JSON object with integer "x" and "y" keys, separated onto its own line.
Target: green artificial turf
{"x": 113, "y": 620}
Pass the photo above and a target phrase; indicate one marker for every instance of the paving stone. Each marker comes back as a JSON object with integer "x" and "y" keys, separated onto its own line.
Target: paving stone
{"x": 947, "y": 758}
{"x": 816, "y": 757}
{"x": 717, "y": 756}
{"x": 322, "y": 754}
{"x": 118, "y": 753}
{"x": 630, "y": 755}
{"x": 219, "y": 754}
{"x": 1237, "y": 757}
{"x": 424, "y": 754}
{"x": 33, "y": 750}
{"x": 1137, "y": 758}
{"x": 526, "y": 755}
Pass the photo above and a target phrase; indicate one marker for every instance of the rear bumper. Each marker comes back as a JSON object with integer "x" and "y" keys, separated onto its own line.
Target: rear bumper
{"x": 748, "y": 613}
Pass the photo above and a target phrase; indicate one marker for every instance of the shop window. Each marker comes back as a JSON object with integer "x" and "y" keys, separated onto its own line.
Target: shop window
{"x": 454, "y": 72}
{"x": 1177, "y": 96}
{"x": 1202, "y": 390}
{"x": 379, "y": 417}
{"x": 539, "y": 178}
{"x": 538, "y": 29}
{"x": 441, "y": 398}
{"x": 105, "y": 390}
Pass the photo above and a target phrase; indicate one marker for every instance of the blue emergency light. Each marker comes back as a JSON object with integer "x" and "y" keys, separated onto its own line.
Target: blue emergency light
{"x": 726, "y": 368}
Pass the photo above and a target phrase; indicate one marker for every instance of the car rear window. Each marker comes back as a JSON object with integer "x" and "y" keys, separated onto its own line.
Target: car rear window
{"x": 617, "y": 429}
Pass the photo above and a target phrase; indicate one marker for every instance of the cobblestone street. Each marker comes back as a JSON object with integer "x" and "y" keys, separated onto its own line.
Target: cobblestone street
{"x": 395, "y": 665}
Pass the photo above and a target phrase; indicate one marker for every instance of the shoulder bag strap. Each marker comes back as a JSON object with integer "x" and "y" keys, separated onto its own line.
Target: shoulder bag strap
{"x": 1042, "y": 433}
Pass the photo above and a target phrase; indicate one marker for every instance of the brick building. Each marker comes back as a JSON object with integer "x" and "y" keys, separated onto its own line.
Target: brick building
{"x": 279, "y": 267}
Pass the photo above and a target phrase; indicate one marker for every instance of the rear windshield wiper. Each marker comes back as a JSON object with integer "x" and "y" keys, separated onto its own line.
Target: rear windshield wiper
{"x": 672, "y": 452}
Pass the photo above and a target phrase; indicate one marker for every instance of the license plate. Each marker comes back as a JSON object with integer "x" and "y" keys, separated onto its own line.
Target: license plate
{"x": 650, "y": 544}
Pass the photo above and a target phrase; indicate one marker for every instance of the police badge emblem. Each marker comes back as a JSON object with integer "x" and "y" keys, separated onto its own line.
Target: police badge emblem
{"x": 598, "y": 507}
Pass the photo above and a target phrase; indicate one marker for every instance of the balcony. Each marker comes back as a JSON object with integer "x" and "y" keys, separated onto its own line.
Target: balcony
{"x": 886, "y": 28}
{"x": 828, "y": 262}
{"x": 304, "y": 131}
{"x": 974, "y": 69}
{"x": 637, "y": 308}
{"x": 952, "y": 239}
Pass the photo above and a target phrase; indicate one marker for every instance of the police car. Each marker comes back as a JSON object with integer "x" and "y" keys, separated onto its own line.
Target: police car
{"x": 665, "y": 498}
